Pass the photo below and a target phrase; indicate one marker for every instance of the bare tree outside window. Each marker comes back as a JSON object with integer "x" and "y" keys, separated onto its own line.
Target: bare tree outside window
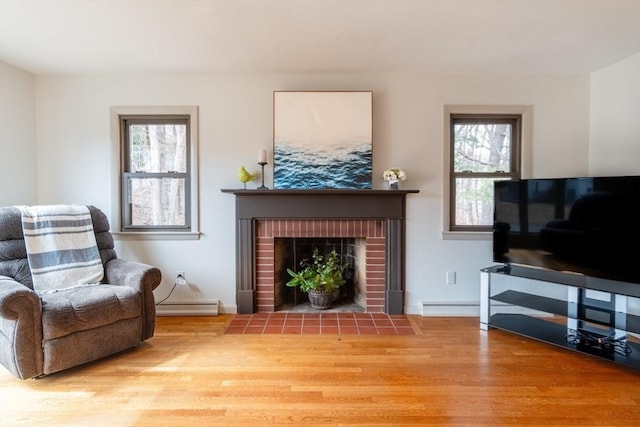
{"x": 155, "y": 178}
{"x": 484, "y": 148}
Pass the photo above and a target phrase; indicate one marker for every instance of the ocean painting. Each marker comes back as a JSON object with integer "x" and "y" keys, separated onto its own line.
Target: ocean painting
{"x": 322, "y": 140}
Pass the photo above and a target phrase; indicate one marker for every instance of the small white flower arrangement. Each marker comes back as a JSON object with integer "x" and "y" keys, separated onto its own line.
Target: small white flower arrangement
{"x": 394, "y": 175}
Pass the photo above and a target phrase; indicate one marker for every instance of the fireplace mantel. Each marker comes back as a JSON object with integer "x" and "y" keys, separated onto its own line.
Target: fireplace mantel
{"x": 325, "y": 204}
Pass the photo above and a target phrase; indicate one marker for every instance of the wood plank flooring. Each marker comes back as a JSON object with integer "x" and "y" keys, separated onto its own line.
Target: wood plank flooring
{"x": 449, "y": 374}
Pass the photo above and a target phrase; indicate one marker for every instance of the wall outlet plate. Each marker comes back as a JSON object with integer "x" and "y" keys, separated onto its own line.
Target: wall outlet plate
{"x": 451, "y": 277}
{"x": 181, "y": 280}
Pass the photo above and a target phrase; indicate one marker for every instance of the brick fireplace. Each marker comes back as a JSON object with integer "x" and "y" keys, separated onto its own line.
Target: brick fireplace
{"x": 375, "y": 217}
{"x": 371, "y": 232}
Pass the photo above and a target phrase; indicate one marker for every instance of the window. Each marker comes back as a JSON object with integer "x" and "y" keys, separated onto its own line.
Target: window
{"x": 157, "y": 169}
{"x": 155, "y": 182}
{"x": 483, "y": 148}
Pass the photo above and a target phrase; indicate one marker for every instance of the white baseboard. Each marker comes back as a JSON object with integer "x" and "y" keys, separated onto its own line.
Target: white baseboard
{"x": 203, "y": 308}
{"x": 427, "y": 309}
{"x": 471, "y": 309}
{"x": 450, "y": 309}
{"x": 413, "y": 309}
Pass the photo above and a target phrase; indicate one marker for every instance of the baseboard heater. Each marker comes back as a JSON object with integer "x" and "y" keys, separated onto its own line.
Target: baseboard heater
{"x": 471, "y": 309}
{"x": 207, "y": 308}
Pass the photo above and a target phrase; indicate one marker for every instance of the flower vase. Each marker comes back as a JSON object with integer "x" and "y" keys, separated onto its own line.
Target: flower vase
{"x": 394, "y": 185}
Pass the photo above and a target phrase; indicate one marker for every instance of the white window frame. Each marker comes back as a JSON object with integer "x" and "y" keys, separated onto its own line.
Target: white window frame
{"x": 526, "y": 112}
{"x": 116, "y": 173}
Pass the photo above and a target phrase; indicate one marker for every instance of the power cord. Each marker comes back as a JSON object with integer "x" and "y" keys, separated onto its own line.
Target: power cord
{"x": 167, "y": 297}
{"x": 600, "y": 342}
{"x": 180, "y": 280}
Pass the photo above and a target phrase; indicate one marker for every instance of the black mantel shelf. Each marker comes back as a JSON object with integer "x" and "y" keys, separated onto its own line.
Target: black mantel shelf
{"x": 253, "y": 205}
{"x": 318, "y": 191}
{"x": 320, "y": 203}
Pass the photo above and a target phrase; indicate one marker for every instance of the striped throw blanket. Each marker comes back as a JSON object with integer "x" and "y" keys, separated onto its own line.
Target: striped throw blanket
{"x": 61, "y": 247}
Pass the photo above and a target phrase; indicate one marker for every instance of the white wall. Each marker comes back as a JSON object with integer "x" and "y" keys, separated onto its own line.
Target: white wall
{"x": 614, "y": 147}
{"x": 17, "y": 137}
{"x": 236, "y": 121}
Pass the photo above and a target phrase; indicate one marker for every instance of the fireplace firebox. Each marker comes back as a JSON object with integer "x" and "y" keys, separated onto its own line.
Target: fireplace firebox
{"x": 374, "y": 217}
{"x": 290, "y": 252}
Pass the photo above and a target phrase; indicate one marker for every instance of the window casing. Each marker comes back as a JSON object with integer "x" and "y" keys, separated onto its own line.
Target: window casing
{"x": 134, "y": 166}
{"x": 483, "y": 148}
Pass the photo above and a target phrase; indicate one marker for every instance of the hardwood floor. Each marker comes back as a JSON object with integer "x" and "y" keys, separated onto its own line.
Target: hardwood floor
{"x": 450, "y": 374}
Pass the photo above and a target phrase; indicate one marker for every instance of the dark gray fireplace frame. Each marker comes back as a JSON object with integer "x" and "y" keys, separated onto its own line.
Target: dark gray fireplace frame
{"x": 254, "y": 205}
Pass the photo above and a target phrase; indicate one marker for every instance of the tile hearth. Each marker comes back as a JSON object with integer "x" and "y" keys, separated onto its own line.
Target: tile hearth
{"x": 325, "y": 323}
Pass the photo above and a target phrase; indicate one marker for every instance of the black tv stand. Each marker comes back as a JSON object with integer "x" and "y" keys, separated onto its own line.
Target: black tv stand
{"x": 506, "y": 268}
{"x": 593, "y": 316}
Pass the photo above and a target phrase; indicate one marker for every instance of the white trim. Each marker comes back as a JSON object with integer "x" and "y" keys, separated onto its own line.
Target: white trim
{"x": 467, "y": 235}
{"x": 155, "y": 235}
{"x": 413, "y": 309}
{"x": 454, "y": 309}
{"x": 115, "y": 113}
{"x": 203, "y": 308}
{"x": 526, "y": 111}
{"x": 472, "y": 309}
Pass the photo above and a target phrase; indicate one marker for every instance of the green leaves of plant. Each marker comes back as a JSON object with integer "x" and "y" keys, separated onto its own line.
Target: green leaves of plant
{"x": 320, "y": 273}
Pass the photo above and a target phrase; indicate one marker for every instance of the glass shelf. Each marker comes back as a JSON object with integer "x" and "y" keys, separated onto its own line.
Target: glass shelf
{"x": 570, "y": 312}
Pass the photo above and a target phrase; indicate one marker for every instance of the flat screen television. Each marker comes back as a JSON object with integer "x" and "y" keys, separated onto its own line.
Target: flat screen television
{"x": 584, "y": 225}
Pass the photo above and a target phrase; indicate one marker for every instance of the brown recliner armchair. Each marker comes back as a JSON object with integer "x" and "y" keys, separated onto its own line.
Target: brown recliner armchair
{"x": 43, "y": 333}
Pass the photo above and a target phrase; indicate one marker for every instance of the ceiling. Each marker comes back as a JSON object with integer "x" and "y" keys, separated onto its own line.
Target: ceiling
{"x": 78, "y": 37}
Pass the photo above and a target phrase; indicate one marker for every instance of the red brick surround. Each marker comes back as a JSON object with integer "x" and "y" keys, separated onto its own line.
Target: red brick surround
{"x": 373, "y": 231}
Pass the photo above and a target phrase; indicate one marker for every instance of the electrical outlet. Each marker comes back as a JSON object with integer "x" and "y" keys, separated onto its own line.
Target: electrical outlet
{"x": 180, "y": 278}
{"x": 451, "y": 277}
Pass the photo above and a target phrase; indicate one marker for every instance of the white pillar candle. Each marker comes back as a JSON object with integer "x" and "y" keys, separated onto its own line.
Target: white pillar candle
{"x": 262, "y": 158}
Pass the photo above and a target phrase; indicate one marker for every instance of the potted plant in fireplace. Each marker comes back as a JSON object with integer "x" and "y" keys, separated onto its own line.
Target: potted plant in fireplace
{"x": 319, "y": 278}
